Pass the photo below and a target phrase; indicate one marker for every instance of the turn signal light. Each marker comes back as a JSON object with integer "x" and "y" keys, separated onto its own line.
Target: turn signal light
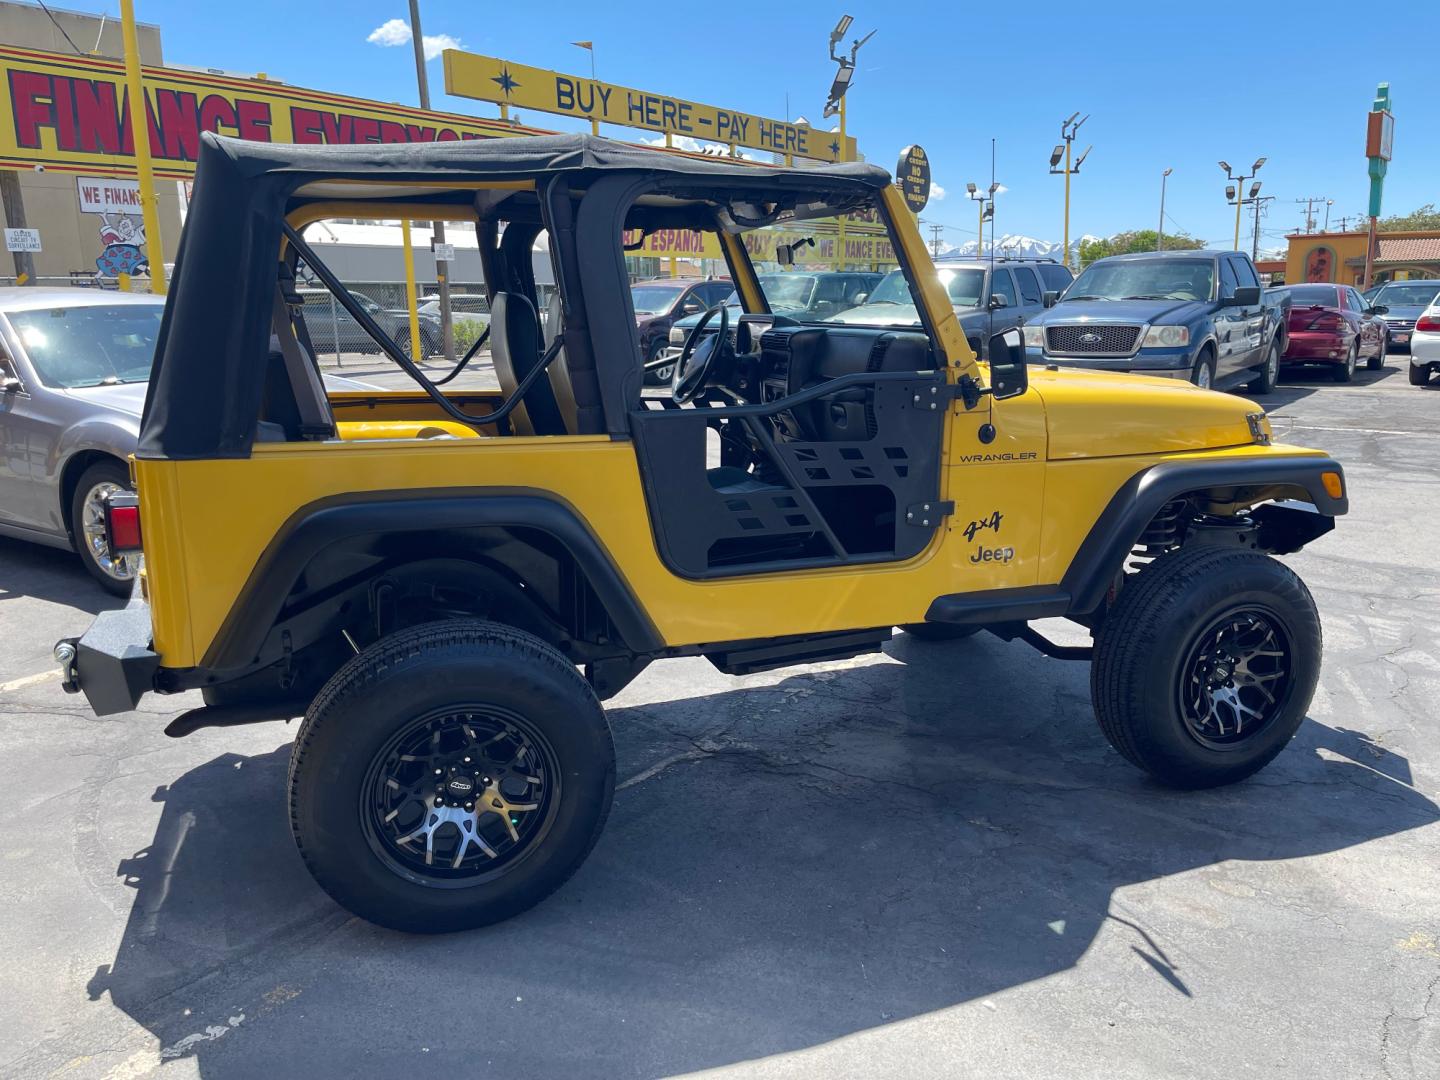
{"x": 1334, "y": 486}
{"x": 1428, "y": 322}
{"x": 122, "y": 522}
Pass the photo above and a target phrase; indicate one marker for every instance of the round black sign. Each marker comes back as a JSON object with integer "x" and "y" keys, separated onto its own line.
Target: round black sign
{"x": 913, "y": 176}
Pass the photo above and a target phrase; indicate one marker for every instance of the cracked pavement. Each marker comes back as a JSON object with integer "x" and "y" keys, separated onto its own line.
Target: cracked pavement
{"x": 920, "y": 863}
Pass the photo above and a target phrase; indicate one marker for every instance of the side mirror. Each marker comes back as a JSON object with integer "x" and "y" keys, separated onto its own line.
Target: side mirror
{"x": 1246, "y": 296}
{"x": 1009, "y": 376}
{"x": 1051, "y": 298}
{"x": 9, "y": 384}
{"x": 1378, "y": 309}
{"x": 999, "y": 300}
{"x": 691, "y": 307}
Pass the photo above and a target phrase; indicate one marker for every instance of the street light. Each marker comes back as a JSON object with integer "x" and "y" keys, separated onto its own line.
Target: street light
{"x": 1232, "y": 191}
{"x": 1068, "y": 128}
{"x": 985, "y": 201}
{"x": 1160, "y": 232}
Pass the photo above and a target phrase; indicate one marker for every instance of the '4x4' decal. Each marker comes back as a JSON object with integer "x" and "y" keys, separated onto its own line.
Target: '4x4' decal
{"x": 992, "y": 522}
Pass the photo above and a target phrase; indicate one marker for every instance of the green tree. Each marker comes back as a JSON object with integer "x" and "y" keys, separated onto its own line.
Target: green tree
{"x": 1427, "y": 218}
{"x": 1135, "y": 240}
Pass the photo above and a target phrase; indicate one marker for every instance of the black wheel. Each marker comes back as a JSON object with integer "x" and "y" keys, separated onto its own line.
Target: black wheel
{"x": 428, "y": 345}
{"x": 1376, "y": 362}
{"x": 1203, "y": 373}
{"x": 1419, "y": 374}
{"x": 938, "y": 631}
{"x": 450, "y": 776}
{"x": 1345, "y": 371}
{"x": 1264, "y": 382}
{"x": 116, "y": 573}
{"x": 660, "y": 376}
{"x": 1205, "y": 666}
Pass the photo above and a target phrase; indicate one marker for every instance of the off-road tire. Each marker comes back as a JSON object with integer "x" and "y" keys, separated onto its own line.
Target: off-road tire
{"x": 102, "y": 472}
{"x": 1135, "y": 678}
{"x": 400, "y": 677}
{"x": 1264, "y": 382}
{"x": 1344, "y": 372}
{"x": 939, "y": 631}
{"x": 1419, "y": 375}
{"x": 1206, "y": 360}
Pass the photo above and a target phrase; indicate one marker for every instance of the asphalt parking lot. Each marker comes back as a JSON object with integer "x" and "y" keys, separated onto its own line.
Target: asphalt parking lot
{"x": 923, "y": 863}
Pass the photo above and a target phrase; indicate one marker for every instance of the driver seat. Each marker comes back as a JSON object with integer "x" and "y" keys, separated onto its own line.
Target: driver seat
{"x": 515, "y": 350}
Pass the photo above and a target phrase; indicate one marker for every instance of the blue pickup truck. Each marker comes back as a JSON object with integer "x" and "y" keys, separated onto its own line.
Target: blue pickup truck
{"x": 1197, "y": 315}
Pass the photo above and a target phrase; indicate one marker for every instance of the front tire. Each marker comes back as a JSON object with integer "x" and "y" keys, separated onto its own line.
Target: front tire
{"x": 1205, "y": 666}
{"x": 115, "y": 573}
{"x": 1376, "y": 362}
{"x": 450, "y": 776}
{"x": 660, "y": 376}
{"x": 1264, "y": 383}
{"x": 1203, "y": 373}
{"x": 1346, "y": 371}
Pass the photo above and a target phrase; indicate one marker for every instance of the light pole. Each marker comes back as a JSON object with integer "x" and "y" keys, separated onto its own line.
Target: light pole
{"x": 985, "y": 205}
{"x": 1068, "y": 128}
{"x": 1328, "y": 203}
{"x": 844, "y": 73}
{"x": 437, "y": 228}
{"x": 1238, "y": 183}
{"x": 1160, "y": 232}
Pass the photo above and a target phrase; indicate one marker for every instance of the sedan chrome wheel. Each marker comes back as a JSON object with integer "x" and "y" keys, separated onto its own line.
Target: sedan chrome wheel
{"x": 97, "y": 544}
{"x": 1236, "y": 679}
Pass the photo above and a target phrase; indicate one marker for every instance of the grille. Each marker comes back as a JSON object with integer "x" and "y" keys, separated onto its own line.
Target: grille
{"x": 1400, "y": 324}
{"x": 1090, "y": 340}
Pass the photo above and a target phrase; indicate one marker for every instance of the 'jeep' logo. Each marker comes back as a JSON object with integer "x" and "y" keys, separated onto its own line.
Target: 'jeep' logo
{"x": 1090, "y": 339}
{"x": 985, "y": 554}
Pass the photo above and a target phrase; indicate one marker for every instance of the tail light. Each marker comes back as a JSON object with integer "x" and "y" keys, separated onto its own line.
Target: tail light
{"x": 1428, "y": 322}
{"x": 122, "y": 522}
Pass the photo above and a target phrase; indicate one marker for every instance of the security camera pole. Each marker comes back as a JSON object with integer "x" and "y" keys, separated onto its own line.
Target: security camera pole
{"x": 442, "y": 267}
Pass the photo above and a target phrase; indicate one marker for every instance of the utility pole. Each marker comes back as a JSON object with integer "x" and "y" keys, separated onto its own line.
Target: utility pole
{"x": 1258, "y": 201}
{"x": 1068, "y": 128}
{"x": 1160, "y": 232}
{"x": 1310, "y": 203}
{"x": 936, "y": 232}
{"x": 14, "y": 203}
{"x": 437, "y": 228}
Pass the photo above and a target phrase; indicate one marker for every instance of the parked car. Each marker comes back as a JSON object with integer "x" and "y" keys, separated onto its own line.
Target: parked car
{"x": 800, "y": 296}
{"x": 1197, "y": 315}
{"x": 74, "y": 364}
{"x": 1404, "y": 302}
{"x": 332, "y": 329}
{"x": 1334, "y": 326}
{"x": 1425, "y": 345}
{"x": 988, "y": 297}
{"x": 660, "y": 301}
{"x": 464, "y": 307}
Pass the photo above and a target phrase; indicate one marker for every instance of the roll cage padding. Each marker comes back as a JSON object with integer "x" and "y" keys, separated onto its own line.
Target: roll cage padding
{"x": 1134, "y": 506}
{"x": 316, "y": 526}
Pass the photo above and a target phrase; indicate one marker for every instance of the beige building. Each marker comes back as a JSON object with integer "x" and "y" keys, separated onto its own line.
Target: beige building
{"x": 78, "y": 217}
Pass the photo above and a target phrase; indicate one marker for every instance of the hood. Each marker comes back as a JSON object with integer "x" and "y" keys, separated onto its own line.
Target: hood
{"x": 1408, "y": 312}
{"x": 125, "y": 398}
{"x": 1093, "y": 414}
{"x": 878, "y": 315}
{"x": 1068, "y": 312}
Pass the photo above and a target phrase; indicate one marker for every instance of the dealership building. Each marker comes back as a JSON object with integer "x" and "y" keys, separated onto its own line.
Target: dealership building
{"x": 1340, "y": 256}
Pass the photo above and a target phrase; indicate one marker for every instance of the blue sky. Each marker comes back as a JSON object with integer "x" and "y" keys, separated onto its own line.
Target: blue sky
{"x": 1180, "y": 86}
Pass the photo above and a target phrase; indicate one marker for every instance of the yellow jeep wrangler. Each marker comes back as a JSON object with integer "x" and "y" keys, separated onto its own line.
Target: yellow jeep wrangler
{"x": 446, "y": 583}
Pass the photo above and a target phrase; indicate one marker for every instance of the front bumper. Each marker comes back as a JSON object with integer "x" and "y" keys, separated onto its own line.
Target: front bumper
{"x": 112, "y": 663}
{"x": 1165, "y": 363}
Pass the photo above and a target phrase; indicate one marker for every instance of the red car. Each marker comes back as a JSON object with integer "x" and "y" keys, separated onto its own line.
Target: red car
{"x": 1332, "y": 324}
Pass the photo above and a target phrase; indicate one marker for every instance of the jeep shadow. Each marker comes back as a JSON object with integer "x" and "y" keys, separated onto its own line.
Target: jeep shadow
{"x": 785, "y": 865}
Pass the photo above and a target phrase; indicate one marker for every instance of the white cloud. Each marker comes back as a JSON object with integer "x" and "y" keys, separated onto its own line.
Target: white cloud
{"x": 391, "y": 32}
{"x": 937, "y": 192}
{"x": 394, "y": 32}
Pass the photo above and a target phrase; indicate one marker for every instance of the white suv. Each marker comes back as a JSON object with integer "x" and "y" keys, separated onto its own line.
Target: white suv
{"x": 1425, "y": 345}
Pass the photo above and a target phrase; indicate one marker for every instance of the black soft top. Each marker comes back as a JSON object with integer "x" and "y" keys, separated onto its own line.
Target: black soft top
{"x": 207, "y": 380}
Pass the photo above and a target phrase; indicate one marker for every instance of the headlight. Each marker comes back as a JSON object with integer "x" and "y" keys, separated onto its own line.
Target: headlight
{"x": 1034, "y": 336}
{"x": 1167, "y": 337}
{"x": 677, "y": 336}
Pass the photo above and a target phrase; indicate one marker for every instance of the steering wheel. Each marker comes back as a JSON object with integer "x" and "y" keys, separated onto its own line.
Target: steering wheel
{"x": 699, "y": 355}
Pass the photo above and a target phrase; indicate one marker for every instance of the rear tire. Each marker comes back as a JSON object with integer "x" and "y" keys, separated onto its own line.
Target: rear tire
{"x": 115, "y": 574}
{"x": 1376, "y": 362}
{"x": 939, "y": 631}
{"x": 436, "y": 695}
{"x": 1419, "y": 376}
{"x": 1264, "y": 383}
{"x": 1346, "y": 371}
{"x": 1171, "y": 669}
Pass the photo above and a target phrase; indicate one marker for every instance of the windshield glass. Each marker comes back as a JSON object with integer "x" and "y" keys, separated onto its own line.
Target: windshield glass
{"x": 1301, "y": 295}
{"x": 1408, "y": 294}
{"x": 1152, "y": 279}
{"x": 787, "y": 290}
{"x": 653, "y": 299}
{"x": 97, "y": 345}
{"x": 964, "y": 286}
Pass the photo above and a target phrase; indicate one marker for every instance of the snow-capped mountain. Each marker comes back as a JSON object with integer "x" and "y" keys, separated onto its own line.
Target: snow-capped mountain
{"x": 1013, "y": 244}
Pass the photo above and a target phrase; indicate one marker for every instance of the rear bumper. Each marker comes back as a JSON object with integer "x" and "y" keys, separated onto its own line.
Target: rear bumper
{"x": 1315, "y": 348}
{"x": 113, "y": 664}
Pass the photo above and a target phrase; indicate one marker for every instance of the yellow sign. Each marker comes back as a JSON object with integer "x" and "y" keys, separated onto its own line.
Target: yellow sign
{"x": 486, "y": 78}
{"x": 866, "y": 245}
{"x": 71, "y": 113}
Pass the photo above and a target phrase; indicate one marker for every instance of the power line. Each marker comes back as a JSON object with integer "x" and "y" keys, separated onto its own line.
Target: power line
{"x": 51, "y": 16}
